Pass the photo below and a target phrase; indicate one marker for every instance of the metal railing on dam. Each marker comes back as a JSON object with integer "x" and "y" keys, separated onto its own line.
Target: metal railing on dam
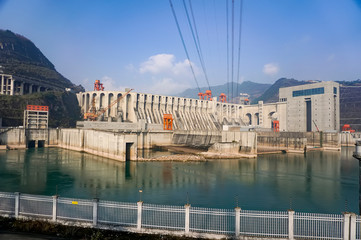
{"x": 185, "y": 220}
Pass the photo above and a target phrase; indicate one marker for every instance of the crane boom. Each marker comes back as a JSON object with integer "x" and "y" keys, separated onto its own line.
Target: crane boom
{"x": 112, "y": 103}
{"x": 93, "y": 116}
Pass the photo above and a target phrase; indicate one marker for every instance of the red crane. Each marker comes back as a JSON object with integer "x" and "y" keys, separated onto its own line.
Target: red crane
{"x": 98, "y": 86}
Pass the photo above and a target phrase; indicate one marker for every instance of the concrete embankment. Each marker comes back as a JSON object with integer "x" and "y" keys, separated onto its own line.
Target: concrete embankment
{"x": 348, "y": 139}
{"x": 122, "y": 144}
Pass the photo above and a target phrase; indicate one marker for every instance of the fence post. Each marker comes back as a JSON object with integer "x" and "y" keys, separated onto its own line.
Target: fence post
{"x": 55, "y": 205}
{"x": 95, "y": 211}
{"x": 187, "y": 208}
{"x": 353, "y": 227}
{"x": 17, "y": 204}
{"x": 139, "y": 219}
{"x": 291, "y": 217}
{"x": 346, "y": 226}
{"x": 238, "y": 221}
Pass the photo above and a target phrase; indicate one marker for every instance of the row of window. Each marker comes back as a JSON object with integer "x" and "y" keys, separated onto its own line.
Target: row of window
{"x": 307, "y": 92}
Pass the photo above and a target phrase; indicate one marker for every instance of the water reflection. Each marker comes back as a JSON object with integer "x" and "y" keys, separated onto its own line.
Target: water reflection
{"x": 315, "y": 182}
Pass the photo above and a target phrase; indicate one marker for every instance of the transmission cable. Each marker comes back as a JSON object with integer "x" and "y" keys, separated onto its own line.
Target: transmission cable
{"x": 196, "y": 40}
{"x": 227, "y": 17}
{"x": 239, "y": 44}
{"x": 184, "y": 45}
{"x": 232, "y": 47}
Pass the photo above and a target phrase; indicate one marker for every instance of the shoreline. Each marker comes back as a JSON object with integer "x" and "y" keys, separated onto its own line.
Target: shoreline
{"x": 182, "y": 153}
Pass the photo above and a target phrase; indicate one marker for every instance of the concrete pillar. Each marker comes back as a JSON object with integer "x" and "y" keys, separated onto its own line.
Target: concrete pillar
{"x": 30, "y": 88}
{"x": 187, "y": 208}
{"x": 139, "y": 219}
{"x": 353, "y": 227}
{"x": 99, "y": 96}
{"x": 55, "y": 205}
{"x": 2, "y": 85}
{"x": 38, "y": 88}
{"x": 21, "y": 88}
{"x": 12, "y": 86}
{"x": 17, "y": 204}
{"x": 291, "y": 214}
{"x": 346, "y": 226}
{"x": 238, "y": 221}
{"x": 95, "y": 211}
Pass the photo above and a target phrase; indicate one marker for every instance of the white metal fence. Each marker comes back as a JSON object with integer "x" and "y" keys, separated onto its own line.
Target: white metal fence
{"x": 187, "y": 219}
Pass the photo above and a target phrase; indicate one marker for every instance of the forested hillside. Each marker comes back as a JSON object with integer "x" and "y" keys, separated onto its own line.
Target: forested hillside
{"x": 63, "y": 108}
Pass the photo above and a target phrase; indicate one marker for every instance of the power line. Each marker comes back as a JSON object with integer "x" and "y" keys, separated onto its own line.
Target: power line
{"x": 227, "y": 17}
{"x": 239, "y": 43}
{"x": 184, "y": 45}
{"x": 196, "y": 40}
{"x": 232, "y": 46}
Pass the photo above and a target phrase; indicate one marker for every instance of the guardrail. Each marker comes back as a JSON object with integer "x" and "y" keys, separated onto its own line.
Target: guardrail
{"x": 139, "y": 216}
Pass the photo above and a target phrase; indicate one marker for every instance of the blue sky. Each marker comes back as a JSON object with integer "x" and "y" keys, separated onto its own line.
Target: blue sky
{"x": 135, "y": 43}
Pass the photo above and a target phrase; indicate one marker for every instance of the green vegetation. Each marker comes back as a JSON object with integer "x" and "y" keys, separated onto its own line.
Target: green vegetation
{"x": 64, "y": 109}
{"x": 20, "y": 57}
{"x": 73, "y": 232}
{"x": 350, "y": 83}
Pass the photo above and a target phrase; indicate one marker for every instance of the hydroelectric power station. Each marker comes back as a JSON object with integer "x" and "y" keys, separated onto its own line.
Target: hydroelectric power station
{"x": 305, "y": 117}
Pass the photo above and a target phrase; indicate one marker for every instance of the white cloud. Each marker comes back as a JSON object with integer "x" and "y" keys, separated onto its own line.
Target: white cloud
{"x": 184, "y": 68}
{"x": 157, "y": 64}
{"x": 165, "y": 64}
{"x": 166, "y": 86}
{"x": 162, "y": 74}
{"x": 110, "y": 84}
{"x": 271, "y": 69}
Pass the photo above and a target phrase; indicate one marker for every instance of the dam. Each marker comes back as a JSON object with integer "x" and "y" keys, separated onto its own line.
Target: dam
{"x": 132, "y": 121}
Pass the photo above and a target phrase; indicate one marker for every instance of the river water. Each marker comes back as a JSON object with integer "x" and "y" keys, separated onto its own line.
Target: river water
{"x": 323, "y": 182}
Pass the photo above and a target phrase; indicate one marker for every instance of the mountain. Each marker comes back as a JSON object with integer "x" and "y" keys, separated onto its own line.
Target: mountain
{"x": 253, "y": 89}
{"x": 271, "y": 94}
{"x": 350, "y": 104}
{"x": 64, "y": 109}
{"x": 20, "y": 57}
{"x": 350, "y": 83}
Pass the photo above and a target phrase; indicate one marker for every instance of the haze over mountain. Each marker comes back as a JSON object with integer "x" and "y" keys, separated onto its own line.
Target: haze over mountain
{"x": 253, "y": 89}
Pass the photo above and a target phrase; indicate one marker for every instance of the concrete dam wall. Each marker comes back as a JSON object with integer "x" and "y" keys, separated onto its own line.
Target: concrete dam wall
{"x": 122, "y": 144}
{"x": 188, "y": 114}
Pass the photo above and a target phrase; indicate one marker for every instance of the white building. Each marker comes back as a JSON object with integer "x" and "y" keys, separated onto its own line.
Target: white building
{"x": 312, "y": 107}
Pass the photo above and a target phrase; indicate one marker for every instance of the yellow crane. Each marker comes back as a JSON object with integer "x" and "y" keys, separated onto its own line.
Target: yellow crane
{"x": 93, "y": 116}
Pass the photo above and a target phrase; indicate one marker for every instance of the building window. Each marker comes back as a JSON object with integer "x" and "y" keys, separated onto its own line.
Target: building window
{"x": 334, "y": 90}
{"x": 307, "y": 92}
